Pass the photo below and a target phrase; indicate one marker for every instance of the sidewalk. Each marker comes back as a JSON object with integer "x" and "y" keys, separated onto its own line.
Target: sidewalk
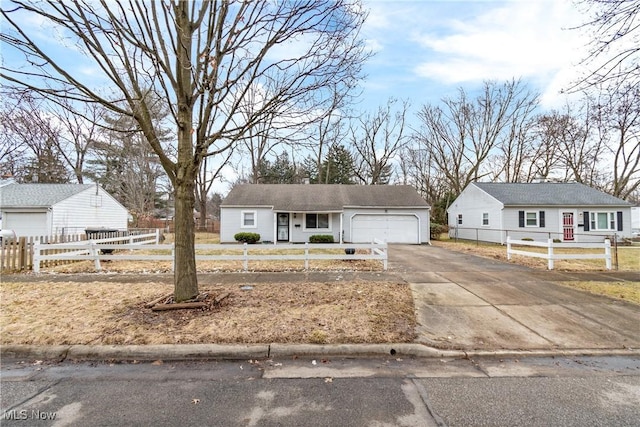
{"x": 466, "y": 306}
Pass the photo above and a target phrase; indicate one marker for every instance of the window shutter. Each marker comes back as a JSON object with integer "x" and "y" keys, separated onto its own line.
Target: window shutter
{"x": 521, "y": 219}
{"x": 541, "y": 219}
{"x": 619, "y": 221}
{"x": 585, "y": 220}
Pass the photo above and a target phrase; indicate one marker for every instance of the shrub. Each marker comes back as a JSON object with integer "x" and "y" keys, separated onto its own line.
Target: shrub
{"x": 437, "y": 229}
{"x": 527, "y": 239}
{"x": 247, "y": 237}
{"x": 321, "y": 238}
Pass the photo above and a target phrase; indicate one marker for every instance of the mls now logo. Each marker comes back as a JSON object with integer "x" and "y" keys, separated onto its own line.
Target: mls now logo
{"x": 23, "y": 414}
{"x": 14, "y": 414}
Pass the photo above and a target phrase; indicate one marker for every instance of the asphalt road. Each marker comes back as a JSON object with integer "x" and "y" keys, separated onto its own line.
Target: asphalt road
{"x": 321, "y": 392}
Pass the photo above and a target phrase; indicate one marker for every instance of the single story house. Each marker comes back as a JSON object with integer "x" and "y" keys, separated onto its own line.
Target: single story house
{"x": 570, "y": 212}
{"x": 350, "y": 213}
{"x": 53, "y": 209}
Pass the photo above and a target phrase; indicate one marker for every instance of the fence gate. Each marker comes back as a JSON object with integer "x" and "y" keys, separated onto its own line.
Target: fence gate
{"x": 567, "y": 225}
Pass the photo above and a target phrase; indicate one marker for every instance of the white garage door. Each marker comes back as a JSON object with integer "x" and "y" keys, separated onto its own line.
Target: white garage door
{"x": 26, "y": 224}
{"x": 389, "y": 228}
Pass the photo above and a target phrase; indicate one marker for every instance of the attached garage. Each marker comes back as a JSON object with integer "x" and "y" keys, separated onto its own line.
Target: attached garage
{"x": 385, "y": 227}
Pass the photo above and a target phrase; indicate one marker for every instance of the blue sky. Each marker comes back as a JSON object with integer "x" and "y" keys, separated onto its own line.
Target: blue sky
{"x": 427, "y": 49}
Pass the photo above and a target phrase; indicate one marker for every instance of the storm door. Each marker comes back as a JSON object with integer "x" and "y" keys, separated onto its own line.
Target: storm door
{"x": 567, "y": 225}
{"x": 283, "y": 227}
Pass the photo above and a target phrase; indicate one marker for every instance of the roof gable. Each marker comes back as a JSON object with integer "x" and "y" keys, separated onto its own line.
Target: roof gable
{"x": 548, "y": 194}
{"x": 38, "y": 195}
{"x": 323, "y": 197}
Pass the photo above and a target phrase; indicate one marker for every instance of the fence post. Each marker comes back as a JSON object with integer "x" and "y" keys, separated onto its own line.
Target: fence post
{"x": 386, "y": 256}
{"x": 550, "y": 253}
{"x": 157, "y": 236}
{"x": 245, "y": 254}
{"x": 173, "y": 256}
{"x": 508, "y": 248}
{"x": 607, "y": 253}
{"x": 95, "y": 252}
{"x": 306, "y": 255}
{"x": 36, "y": 257}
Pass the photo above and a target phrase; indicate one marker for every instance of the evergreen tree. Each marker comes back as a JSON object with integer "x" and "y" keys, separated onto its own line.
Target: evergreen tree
{"x": 338, "y": 167}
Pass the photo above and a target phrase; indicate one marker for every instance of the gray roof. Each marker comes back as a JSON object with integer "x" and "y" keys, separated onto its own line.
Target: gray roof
{"x": 38, "y": 195}
{"x": 549, "y": 194}
{"x": 323, "y": 197}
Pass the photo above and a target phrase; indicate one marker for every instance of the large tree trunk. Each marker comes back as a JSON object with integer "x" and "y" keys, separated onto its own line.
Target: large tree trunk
{"x": 185, "y": 277}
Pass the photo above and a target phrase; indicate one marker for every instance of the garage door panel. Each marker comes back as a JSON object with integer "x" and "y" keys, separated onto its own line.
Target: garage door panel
{"x": 26, "y": 223}
{"x": 390, "y": 228}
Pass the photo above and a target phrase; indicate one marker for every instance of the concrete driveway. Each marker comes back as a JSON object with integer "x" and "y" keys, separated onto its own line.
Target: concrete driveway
{"x": 468, "y": 302}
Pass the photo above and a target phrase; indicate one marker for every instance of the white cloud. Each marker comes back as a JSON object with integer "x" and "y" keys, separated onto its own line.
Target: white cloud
{"x": 517, "y": 39}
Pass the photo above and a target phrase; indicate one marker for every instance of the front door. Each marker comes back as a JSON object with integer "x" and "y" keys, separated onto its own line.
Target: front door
{"x": 567, "y": 225}
{"x": 283, "y": 227}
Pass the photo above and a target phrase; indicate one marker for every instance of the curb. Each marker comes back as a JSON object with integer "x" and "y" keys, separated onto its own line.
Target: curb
{"x": 184, "y": 352}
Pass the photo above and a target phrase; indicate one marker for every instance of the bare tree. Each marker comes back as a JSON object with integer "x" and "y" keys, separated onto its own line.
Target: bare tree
{"x": 79, "y": 132}
{"x": 203, "y": 57}
{"x": 568, "y": 148}
{"x": 614, "y": 49}
{"x": 12, "y": 148}
{"x": 616, "y": 121}
{"x": 36, "y": 136}
{"x": 207, "y": 176}
{"x": 461, "y": 136}
{"x": 376, "y": 139}
{"x": 518, "y": 147}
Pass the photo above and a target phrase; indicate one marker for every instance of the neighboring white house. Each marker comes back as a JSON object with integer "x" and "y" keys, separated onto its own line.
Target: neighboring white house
{"x": 54, "y": 209}
{"x": 635, "y": 220}
{"x": 565, "y": 211}
{"x": 350, "y": 213}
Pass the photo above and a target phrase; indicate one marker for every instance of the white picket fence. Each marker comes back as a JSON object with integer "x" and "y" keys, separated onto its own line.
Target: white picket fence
{"x": 551, "y": 256}
{"x": 94, "y": 251}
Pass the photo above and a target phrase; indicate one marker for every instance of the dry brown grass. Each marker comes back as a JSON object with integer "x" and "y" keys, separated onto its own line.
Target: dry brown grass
{"x": 628, "y": 260}
{"x": 114, "y": 313}
{"x": 628, "y": 257}
{"x": 48, "y": 313}
{"x": 627, "y": 291}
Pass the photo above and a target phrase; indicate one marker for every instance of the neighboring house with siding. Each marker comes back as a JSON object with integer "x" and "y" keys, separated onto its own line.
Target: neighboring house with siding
{"x": 54, "y": 209}
{"x": 570, "y": 212}
{"x": 350, "y": 213}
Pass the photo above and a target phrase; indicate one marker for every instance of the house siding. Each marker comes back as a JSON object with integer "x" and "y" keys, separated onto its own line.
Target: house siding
{"x": 472, "y": 204}
{"x": 88, "y": 210}
{"x": 231, "y": 223}
{"x": 511, "y": 217}
{"x": 598, "y": 235}
{"x": 301, "y": 235}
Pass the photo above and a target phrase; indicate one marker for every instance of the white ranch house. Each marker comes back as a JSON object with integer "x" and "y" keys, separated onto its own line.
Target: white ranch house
{"x": 569, "y": 212}
{"x": 34, "y": 210}
{"x": 350, "y": 213}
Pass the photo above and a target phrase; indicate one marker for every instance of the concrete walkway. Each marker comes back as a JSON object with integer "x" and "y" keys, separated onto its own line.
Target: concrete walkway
{"x": 466, "y": 302}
